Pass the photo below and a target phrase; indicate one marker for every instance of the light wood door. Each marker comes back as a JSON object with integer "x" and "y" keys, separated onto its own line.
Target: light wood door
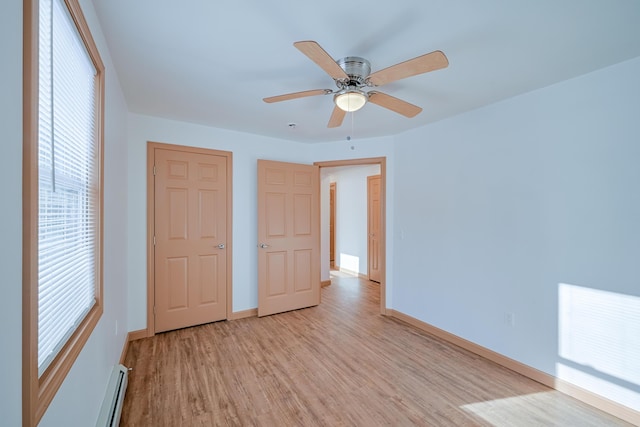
{"x": 190, "y": 235}
{"x": 374, "y": 212}
{"x": 288, "y": 236}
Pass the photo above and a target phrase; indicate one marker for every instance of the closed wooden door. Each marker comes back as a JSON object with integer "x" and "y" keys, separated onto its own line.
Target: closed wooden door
{"x": 373, "y": 227}
{"x": 190, "y": 239}
{"x": 288, "y": 236}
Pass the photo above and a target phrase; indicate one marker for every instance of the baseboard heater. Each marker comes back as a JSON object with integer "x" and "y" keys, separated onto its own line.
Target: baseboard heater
{"x": 114, "y": 398}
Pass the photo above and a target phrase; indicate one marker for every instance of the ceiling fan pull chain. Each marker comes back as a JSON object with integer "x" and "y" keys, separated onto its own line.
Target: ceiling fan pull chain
{"x": 352, "y": 122}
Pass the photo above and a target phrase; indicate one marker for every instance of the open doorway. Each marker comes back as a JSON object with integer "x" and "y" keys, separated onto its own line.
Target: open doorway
{"x": 352, "y": 259}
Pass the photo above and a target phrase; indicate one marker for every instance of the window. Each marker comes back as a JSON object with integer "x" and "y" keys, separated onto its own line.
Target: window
{"x": 62, "y": 197}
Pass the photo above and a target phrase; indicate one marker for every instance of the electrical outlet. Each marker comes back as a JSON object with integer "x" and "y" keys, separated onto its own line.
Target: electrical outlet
{"x": 510, "y": 319}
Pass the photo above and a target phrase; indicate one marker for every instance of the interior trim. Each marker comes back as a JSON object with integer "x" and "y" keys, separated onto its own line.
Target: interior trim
{"x": 236, "y": 315}
{"x": 137, "y": 335}
{"x": 353, "y": 273}
{"x": 131, "y": 336}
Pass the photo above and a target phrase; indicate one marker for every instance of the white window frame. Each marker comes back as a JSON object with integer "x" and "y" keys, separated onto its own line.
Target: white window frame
{"x": 38, "y": 389}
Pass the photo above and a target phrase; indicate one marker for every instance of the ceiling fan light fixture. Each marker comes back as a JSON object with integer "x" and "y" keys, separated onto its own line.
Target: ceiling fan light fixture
{"x": 350, "y": 100}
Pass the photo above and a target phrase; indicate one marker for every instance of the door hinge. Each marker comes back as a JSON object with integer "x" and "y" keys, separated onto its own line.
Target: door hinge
{"x": 154, "y": 240}
{"x": 154, "y": 309}
{"x": 154, "y": 170}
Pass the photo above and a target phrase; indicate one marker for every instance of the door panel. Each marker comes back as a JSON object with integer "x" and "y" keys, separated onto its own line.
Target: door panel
{"x": 276, "y": 274}
{"x": 302, "y": 215}
{"x": 289, "y": 236}
{"x": 373, "y": 225}
{"x": 190, "y": 222}
{"x": 176, "y": 269}
{"x": 302, "y": 270}
{"x": 276, "y": 219}
{"x": 177, "y": 215}
{"x": 208, "y": 273}
{"x": 207, "y": 219}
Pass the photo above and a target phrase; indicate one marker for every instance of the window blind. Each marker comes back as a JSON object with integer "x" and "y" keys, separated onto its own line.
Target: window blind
{"x": 67, "y": 181}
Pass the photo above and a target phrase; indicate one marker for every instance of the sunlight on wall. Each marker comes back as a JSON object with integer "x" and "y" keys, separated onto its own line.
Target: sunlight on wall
{"x": 350, "y": 263}
{"x": 599, "y": 342}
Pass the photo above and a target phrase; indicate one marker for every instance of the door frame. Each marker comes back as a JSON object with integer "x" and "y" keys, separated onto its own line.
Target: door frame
{"x": 151, "y": 291}
{"x": 382, "y": 161}
{"x": 332, "y": 221}
{"x": 369, "y": 211}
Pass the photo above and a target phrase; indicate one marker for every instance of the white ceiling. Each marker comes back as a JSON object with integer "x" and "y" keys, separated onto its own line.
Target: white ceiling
{"x": 212, "y": 61}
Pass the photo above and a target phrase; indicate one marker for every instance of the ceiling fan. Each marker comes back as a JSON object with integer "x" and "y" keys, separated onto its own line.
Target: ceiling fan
{"x": 352, "y": 74}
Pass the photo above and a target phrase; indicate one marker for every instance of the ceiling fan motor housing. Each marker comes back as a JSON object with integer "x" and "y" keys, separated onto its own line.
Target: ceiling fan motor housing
{"x": 358, "y": 69}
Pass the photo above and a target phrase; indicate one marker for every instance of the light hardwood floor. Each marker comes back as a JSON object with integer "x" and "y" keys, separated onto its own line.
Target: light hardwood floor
{"x": 338, "y": 364}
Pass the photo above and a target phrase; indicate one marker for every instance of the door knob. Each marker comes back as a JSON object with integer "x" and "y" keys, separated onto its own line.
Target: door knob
{"x": 263, "y": 245}
{"x": 221, "y": 246}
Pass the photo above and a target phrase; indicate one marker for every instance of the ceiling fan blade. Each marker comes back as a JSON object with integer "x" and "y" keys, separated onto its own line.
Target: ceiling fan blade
{"x": 336, "y": 117}
{"x": 394, "y": 104}
{"x": 420, "y": 65}
{"x": 318, "y": 55}
{"x": 296, "y": 95}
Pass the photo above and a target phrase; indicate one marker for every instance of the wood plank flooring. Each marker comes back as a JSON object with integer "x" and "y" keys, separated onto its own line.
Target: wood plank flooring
{"x": 338, "y": 364}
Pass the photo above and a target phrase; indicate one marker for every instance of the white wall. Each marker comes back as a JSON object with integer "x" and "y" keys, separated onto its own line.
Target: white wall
{"x": 496, "y": 208}
{"x": 87, "y": 380}
{"x": 351, "y": 217}
{"x": 11, "y": 212}
{"x": 246, "y": 149}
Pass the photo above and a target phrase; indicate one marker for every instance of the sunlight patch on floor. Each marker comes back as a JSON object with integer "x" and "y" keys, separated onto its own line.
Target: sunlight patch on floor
{"x": 338, "y": 273}
{"x": 530, "y": 410}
